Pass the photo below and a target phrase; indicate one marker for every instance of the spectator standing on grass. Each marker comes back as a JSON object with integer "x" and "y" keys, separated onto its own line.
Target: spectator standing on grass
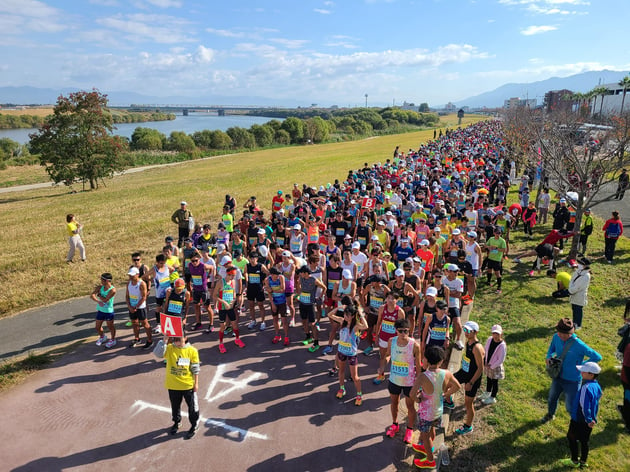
{"x": 578, "y": 291}
{"x": 623, "y": 352}
{"x": 103, "y": 295}
{"x": 182, "y": 218}
{"x": 568, "y": 380}
{"x": 495, "y": 350}
{"x": 561, "y": 218}
{"x": 622, "y": 185}
{"x": 613, "y": 229}
{"x": 74, "y": 228}
{"x": 543, "y": 205}
{"x": 181, "y": 381}
{"x": 469, "y": 375}
{"x": 586, "y": 231}
{"x": 583, "y": 414}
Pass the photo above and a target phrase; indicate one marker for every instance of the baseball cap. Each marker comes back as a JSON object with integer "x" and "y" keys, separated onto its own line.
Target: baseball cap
{"x": 563, "y": 200}
{"x": 472, "y": 234}
{"x": 399, "y": 272}
{"x": 456, "y": 231}
{"x": 589, "y": 367}
{"x": 471, "y": 326}
{"x": 347, "y": 236}
{"x": 297, "y": 226}
{"x": 133, "y": 271}
{"x": 437, "y": 229}
{"x": 346, "y": 274}
{"x": 225, "y": 260}
{"x": 381, "y": 223}
{"x": 263, "y": 251}
{"x": 286, "y": 253}
{"x": 431, "y": 292}
{"x": 452, "y": 267}
{"x": 424, "y": 242}
{"x": 261, "y": 231}
{"x": 496, "y": 329}
{"x": 179, "y": 283}
{"x": 356, "y": 245}
{"x": 183, "y": 202}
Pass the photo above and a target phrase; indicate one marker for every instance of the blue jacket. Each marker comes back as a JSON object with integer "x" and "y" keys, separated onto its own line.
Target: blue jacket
{"x": 586, "y": 402}
{"x": 574, "y": 357}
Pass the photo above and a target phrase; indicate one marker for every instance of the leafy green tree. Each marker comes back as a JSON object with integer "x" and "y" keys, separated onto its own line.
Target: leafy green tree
{"x": 241, "y": 138}
{"x": 75, "y": 142}
{"x": 220, "y": 140}
{"x": 316, "y": 129}
{"x": 8, "y": 149}
{"x": 295, "y": 127}
{"x": 203, "y": 139}
{"x": 180, "y": 142}
{"x": 263, "y": 135}
{"x": 275, "y": 124}
{"x": 423, "y": 108}
{"x": 282, "y": 137}
{"x": 147, "y": 139}
{"x": 625, "y": 84}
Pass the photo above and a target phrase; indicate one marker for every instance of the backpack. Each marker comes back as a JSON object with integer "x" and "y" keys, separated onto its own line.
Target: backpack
{"x": 613, "y": 230}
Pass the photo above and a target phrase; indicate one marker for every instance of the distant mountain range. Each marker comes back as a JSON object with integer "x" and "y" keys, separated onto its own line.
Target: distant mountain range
{"x": 576, "y": 83}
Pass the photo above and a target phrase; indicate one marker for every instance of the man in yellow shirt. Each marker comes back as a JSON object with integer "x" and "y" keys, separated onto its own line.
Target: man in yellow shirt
{"x": 182, "y": 380}
{"x": 563, "y": 279}
{"x": 73, "y": 227}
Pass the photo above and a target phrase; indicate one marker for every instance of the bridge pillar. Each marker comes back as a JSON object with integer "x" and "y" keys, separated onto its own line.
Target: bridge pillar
{"x": 221, "y": 112}
{"x": 185, "y": 111}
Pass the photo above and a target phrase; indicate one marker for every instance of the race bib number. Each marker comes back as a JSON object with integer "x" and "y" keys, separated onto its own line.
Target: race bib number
{"x": 197, "y": 280}
{"x": 340, "y": 232}
{"x": 465, "y": 363}
{"x": 305, "y": 298}
{"x": 400, "y": 368}
{"x": 362, "y": 241}
{"x": 376, "y": 302}
{"x": 133, "y": 300}
{"x": 164, "y": 282}
{"x": 438, "y": 333}
{"x": 175, "y": 306}
{"x": 388, "y": 327}
{"x": 228, "y": 296}
{"x": 183, "y": 362}
{"x": 345, "y": 348}
{"x": 254, "y": 278}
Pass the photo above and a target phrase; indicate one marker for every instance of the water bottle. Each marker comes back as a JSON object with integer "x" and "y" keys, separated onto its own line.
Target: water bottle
{"x": 444, "y": 457}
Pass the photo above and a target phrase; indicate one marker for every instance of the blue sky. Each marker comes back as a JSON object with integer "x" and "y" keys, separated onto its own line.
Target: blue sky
{"x": 314, "y": 51}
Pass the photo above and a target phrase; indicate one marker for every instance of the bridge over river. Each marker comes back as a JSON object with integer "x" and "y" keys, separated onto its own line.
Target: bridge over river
{"x": 188, "y": 110}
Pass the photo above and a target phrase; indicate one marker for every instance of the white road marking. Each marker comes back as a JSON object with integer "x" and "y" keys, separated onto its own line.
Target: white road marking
{"x": 236, "y": 384}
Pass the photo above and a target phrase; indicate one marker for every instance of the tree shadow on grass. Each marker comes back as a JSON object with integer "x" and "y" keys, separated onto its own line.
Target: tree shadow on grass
{"x": 528, "y": 334}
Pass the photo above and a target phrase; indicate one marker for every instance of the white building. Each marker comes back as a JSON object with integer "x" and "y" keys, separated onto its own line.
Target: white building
{"x": 612, "y": 101}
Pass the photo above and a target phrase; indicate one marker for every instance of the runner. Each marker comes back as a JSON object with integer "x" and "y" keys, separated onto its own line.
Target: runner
{"x": 275, "y": 288}
{"x": 436, "y": 323}
{"x": 103, "y": 295}
{"x": 177, "y": 300}
{"x": 388, "y": 314}
{"x": 372, "y": 298}
{"x": 255, "y": 273}
{"x": 453, "y": 290}
{"x": 199, "y": 281}
{"x": 136, "y": 298}
{"x": 225, "y": 294}
{"x": 306, "y": 288}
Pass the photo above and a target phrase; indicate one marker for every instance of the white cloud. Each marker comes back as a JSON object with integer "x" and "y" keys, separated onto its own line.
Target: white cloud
{"x": 290, "y": 43}
{"x": 329, "y": 4}
{"x": 204, "y": 54}
{"x": 549, "y": 11}
{"x": 141, "y": 27}
{"x": 225, "y": 33}
{"x": 322, "y": 11}
{"x": 340, "y": 44}
{"x": 165, "y": 3}
{"x": 19, "y": 16}
{"x": 532, "y": 30}
{"x": 105, "y": 3}
{"x": 545, "y": 2}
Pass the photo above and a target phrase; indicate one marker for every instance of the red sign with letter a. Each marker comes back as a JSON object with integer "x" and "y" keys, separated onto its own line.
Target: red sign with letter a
{"x": 171, "y": 325}
{"x": 369, "y": 203}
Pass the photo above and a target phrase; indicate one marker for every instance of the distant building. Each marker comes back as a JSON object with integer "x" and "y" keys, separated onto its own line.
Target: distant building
{"x": 409, "y": 106}
{"x": 612, "y": 101}
{"x": 450, "y": 107}
{"x": 516, "y": 102}
{"x": 555, "y": 100}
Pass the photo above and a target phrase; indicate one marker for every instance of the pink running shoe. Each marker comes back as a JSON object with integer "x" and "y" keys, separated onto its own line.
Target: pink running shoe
{"x": 408, "y": 435}
{"x": 392, "y": 430}
{"x": 222, "y": 349}
{"x": 239, "y": 343}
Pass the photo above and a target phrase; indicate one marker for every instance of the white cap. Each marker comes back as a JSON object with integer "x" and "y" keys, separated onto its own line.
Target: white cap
{"x": 437, "y": 229}
{"x": 133, "y": 271}
{"x": 589, "y": 367}
{"x": 297, "y": 226}
{"x": 472, "y": 234}
{"x": 399, "y": 272}
{"x": 375, "y": 238}
{"x": 382, "y": 223}
{"x": 225, "y": 260}
{"x": 432, "y": 292}
{"x": 389, "y": 213}
{"x": 183, "y": 203}
{"x": 424, "y": 242}
{"x": 456, "y": 231}
{"x": 452, "y": 267}
{"x": 471, "y": 326}
{"x": 263, "y": 251}
{"x": 261, "y": 231}
{"x": 286, "y": 253}
{"x": 356, "y": 245}
{"x": 496, "y": 329}
{"x": 346, "y": 274}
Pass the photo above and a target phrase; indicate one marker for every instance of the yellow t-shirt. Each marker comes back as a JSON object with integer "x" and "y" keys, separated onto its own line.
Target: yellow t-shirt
{"x": 71, "y": 228}
{"x": 564, "y": 278}
{"x": 178, "y": 362}
{"x": 173, "y": 261}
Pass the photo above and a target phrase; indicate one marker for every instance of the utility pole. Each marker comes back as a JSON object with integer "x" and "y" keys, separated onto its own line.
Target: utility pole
{"x": 366, "y": 96}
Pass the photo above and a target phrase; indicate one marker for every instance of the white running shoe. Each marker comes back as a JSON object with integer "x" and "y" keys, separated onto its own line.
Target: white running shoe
{"x": 157, "y": 330}
{"x": 110, "y": 343}
{"x": 459, "y": 345}
{"x": 251, "y": 325}
{"x": 263, "y": 326}
{"x": 489, "y": 401}
{"x": 101, "y": 340}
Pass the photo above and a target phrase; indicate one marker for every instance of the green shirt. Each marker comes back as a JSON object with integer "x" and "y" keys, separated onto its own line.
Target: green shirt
{"x": 563, "y": 278}
{"x": 494, "y": 245}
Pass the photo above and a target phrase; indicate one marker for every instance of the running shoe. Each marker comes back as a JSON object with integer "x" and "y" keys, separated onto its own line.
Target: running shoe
{"x": 239, "y": 343}
{"x": 276, "y": 339}
{"x": 333, "y": 372}
{"x": 464, "y": 429}
{"x": 292, "y": 323}
{"x": 363, "y": 335}
{"x": 378, "y": 379}
{"x": 263, "y": 326}
{"x": 484, "y": 395}
{"x": 147, "y": 345}
{"x": 569, "y": 463}
{"x": 157, "y": 330}
{"x": 420, "y": 448}
{"x": 307, "y": 341}
{"x": 368, "y": 350}
{"x": 222, "y": 349}
{"x": 111, "y": 343}
{"x": 489, "y": 401}
{"x": 286, "y": 341}
{"x": 174, "y": 428}
{"x": 251, "y": 324}
{"x": 196, "y": 327}
{"x": 531, "y": 273}
{"x": 128, "y": 324}
{"x": 317, "y": 327}
{"x": 547, "y": 418}
{"x": 424, "y": 464}
{"x": 101, "y": 340}
{"x": 498, "y": 291}
{"x": 392, "y": 430}
{"x": 209, "y": 330}
{"x": 341, "y": 393}
{"x": 327, "y": 350}
{"x": 449, "y": 404}
{"x": 458, "y": 345}
{"x": 313, "y": 348}
{"x": 517, "y": 260}
{"x": 191, "y": 432}
{"x": 134, "y": 343}
{"x": 358, "y": 400}
{"x": 408, "y": 435}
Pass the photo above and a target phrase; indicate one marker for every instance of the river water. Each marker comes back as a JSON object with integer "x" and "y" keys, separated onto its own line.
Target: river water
{"x": 188, "y": 124}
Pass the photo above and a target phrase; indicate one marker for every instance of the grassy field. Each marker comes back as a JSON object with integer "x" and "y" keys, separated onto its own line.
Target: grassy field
{"x": 133, "y": 213}
{"x": 39, "y": 111}
{"x": 23, "y": 175}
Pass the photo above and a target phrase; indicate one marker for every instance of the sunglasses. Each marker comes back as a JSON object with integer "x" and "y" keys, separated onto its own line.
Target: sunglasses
{"x": 194, "y": 260}
{"x": 466, "y": 330}
{"x": 402, "y": 331}
{"x": 136, "y": 259}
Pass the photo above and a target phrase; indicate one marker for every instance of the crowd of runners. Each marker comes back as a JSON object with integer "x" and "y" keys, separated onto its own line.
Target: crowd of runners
{"x": 382, "y": 261}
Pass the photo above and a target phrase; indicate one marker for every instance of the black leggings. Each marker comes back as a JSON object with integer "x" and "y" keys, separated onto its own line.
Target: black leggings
{"x": 492, "y": 386}
{"x": 579, "y": 431}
